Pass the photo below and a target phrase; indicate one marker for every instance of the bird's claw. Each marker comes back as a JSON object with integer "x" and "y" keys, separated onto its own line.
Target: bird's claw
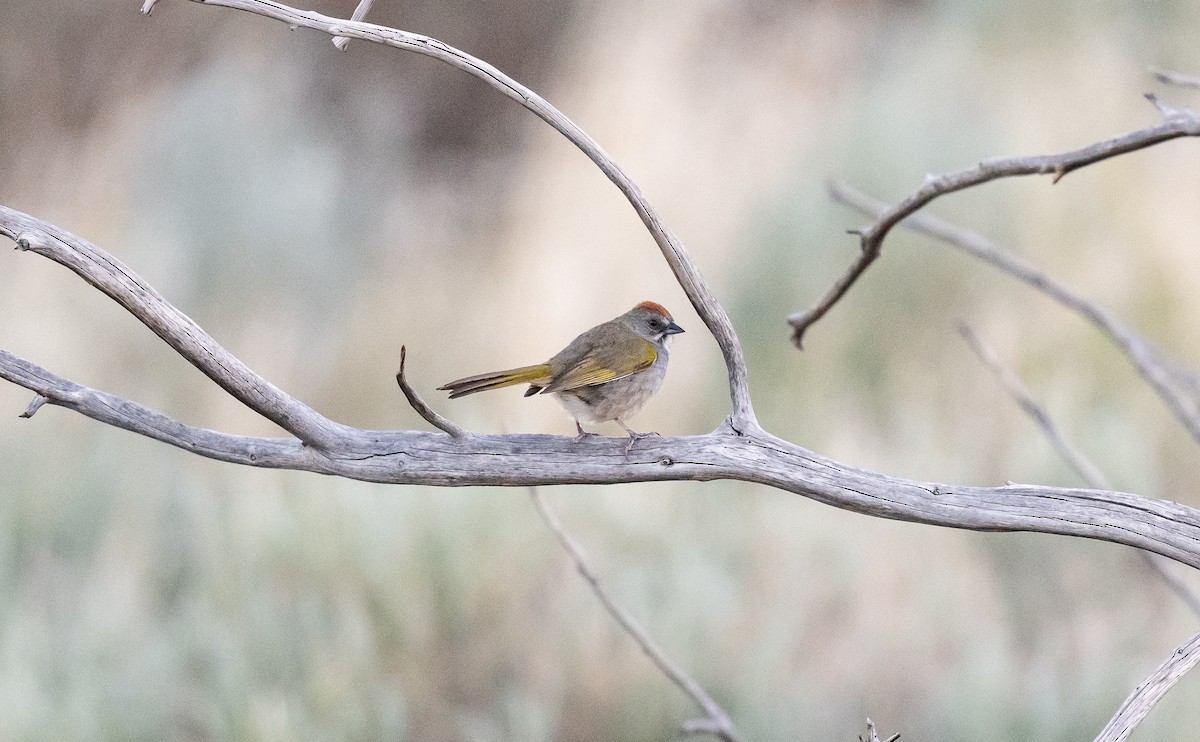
{"x": 635, "y": 437}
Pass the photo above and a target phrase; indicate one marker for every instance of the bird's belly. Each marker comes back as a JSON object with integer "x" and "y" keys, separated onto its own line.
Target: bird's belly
{"x": 612, "y": 400}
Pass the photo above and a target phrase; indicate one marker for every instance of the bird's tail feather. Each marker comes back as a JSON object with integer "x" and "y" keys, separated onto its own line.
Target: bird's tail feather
{"x": 539, "y": 374}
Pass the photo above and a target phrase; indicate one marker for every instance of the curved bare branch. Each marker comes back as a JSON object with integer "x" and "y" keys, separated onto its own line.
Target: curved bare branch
{"x": 680, "y": 261}
{"x": 1176, "y": 123}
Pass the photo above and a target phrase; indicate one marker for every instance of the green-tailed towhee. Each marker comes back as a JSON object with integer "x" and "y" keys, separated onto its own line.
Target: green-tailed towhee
{"x": 607, "y": 373}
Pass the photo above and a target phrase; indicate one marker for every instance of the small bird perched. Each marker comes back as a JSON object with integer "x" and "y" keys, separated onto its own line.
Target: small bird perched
{"x": 607, "y": 373}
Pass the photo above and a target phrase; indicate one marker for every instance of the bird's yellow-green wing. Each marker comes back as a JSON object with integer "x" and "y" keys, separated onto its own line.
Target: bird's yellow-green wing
{"x": 605, "y": 364}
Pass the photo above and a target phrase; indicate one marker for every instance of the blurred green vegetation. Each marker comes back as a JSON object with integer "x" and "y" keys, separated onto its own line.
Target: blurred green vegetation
{"x": 314, "y": 210}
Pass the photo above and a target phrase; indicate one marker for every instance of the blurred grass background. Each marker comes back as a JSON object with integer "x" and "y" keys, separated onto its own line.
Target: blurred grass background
{"x": 314, "y": 210}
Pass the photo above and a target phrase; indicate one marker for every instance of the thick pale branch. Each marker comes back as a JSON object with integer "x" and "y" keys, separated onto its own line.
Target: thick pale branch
{"x": 673, "y": 250}
{"x": 414, "y": 457}
{"x": 1177, "y": 387}
{"x": 1177, "y": 123}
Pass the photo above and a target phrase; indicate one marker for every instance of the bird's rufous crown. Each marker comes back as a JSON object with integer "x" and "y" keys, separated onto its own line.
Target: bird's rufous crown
{"x": 654, "y": 306}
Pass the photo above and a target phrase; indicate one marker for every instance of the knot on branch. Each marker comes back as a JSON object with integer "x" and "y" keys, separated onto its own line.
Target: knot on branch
{"x": 27, "y": 241}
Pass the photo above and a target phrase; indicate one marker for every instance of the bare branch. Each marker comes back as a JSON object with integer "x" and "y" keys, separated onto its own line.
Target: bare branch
{"x": 716, "y": 721}
{"x": 1075, "y": 458}
{"x": 1175, "y": 124}
{"x": 1167, "y": 77}
{"x": 364, "y": 6}
{"x": 34, "y": 405}
{"x": 1152, "y": 689}
{"x": 1178, "y": 388}
{"x": 672, "y": 248}
{"x": 425, "y": 411}
{"x": 276, "y": 453}
{"x": 108, "y": 274}
{"x": 1067, "y": 450}
{"x": 873, "y": 736}
{"x": 414, "y": 457}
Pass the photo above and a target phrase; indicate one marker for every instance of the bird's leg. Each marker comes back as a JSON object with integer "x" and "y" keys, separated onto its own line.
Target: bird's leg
{"x": 634, "y": 436}
{"x": 582, "y": 433}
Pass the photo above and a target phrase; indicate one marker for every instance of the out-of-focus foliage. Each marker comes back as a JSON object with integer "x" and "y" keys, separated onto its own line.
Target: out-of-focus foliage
{"x": 314, "y": 210}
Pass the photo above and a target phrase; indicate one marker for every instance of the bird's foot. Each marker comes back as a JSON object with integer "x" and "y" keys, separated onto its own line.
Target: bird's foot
{"x": 583, "y": 433}
{"x": 635, "y": 437}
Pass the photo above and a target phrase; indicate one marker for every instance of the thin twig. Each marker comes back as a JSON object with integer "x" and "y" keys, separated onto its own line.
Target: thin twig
{"x": 716, "y": 721}
{"x": 342, "y": 42}
{"x": 34, "y": 405}
{"x": 1076, "y": 459}
{"x": 1145, "y": 696}
{"x": 1178, "y": 388}
{"x": 430, "y": 415}
{"x": 1176, "y": 124}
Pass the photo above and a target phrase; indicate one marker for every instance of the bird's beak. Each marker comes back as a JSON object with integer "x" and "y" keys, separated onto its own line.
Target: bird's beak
{"x": 673, "y": 329}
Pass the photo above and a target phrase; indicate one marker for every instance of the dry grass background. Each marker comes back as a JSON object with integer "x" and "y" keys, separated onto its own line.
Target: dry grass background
{"x": 314, "y": 210}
